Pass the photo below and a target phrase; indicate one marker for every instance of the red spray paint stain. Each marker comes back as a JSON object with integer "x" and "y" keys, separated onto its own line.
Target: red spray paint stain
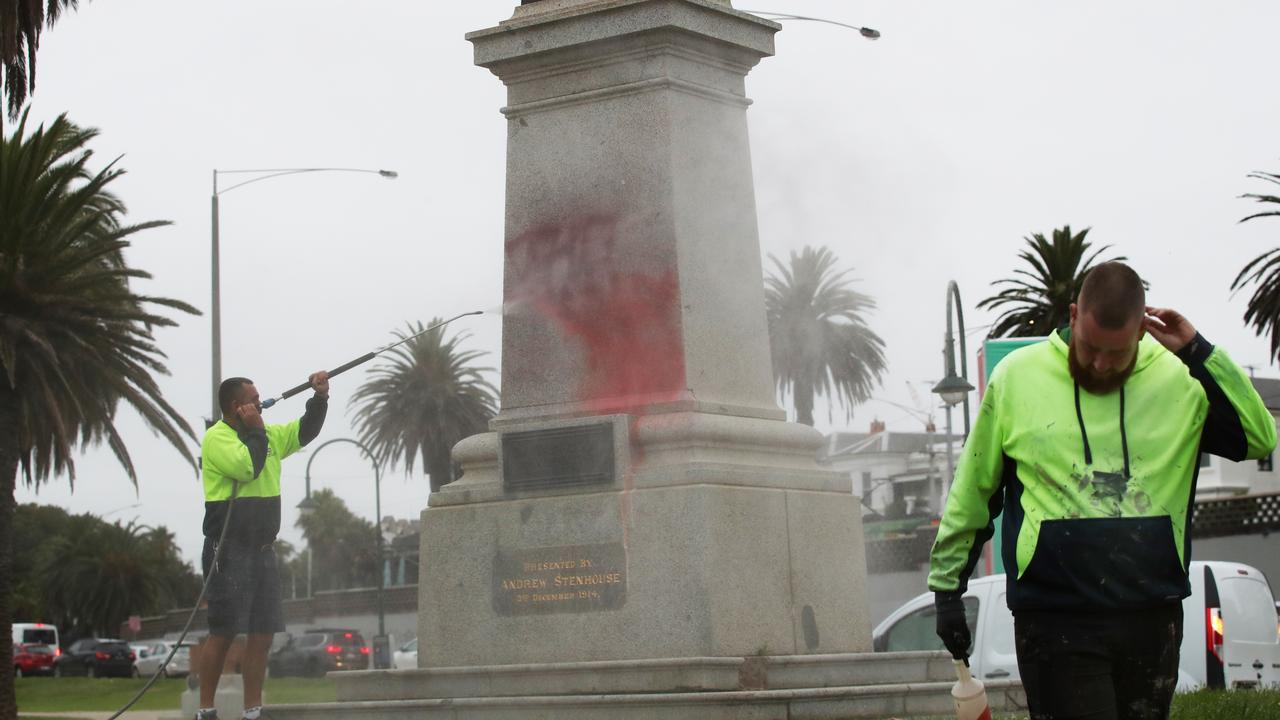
{"x": 626, "y": 323}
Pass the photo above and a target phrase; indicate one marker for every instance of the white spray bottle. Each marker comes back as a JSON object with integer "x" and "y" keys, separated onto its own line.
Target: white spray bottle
{"x": 969, "y": 694}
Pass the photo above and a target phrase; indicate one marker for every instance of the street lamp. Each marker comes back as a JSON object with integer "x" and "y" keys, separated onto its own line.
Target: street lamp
{"x": 215, "y": 314}
{"x": 954, "y": 389}
{"x": 307, "y": 506}
{"x": 866, "y": 32}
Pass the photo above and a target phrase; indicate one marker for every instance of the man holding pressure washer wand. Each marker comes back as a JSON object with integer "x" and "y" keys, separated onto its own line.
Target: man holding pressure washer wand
{"x": 240, "y": 467}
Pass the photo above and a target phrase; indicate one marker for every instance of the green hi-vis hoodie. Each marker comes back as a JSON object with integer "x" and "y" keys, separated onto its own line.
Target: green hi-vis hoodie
{"x": 251, "y": 460}
{"x": 1096, "y": 489}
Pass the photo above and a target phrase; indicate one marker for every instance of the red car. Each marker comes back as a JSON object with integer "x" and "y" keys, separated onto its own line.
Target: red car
{"x": 32, "y": 659}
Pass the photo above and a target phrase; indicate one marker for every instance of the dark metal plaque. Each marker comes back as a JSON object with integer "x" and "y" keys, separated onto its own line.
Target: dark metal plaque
{"x": 569, "y": 579}
{"x": 565, "y": 457}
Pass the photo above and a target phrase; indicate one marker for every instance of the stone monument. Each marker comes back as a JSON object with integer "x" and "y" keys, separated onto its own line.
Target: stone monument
{"x": 641, "y": 492}
{"x": 642, "y": 534}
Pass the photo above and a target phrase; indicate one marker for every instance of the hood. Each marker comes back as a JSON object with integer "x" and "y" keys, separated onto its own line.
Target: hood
{"x": 1148, "y": 348}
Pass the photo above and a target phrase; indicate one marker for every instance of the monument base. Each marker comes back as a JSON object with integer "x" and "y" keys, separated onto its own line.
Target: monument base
{"x": 816, "y": 687}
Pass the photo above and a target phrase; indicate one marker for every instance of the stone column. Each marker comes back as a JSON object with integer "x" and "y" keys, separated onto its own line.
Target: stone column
{"x": 641, "y": 495}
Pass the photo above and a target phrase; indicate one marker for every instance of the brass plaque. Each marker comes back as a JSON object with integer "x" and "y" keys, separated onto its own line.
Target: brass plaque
{"x": 557, "y": 458}
{"x": 568, "y": 579}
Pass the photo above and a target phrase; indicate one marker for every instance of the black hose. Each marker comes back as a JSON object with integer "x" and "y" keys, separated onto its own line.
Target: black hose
{"x": 217, "y": 555}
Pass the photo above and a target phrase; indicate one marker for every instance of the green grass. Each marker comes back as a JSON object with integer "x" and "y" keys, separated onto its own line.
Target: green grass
{"x": 80, "y": 694}
{"x": 1219, "y": 705}
{"x": 108, "y": 694}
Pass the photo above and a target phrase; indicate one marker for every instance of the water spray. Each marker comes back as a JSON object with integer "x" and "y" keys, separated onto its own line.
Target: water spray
{"x": 369, "y": 356}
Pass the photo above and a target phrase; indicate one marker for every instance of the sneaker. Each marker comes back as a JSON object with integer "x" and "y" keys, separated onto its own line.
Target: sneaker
{"x": 253, "y": 713}
{"x": 207, "y": 714}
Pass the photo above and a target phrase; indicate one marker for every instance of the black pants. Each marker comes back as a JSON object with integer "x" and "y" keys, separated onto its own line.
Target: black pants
{"x": 1104, "y": 665}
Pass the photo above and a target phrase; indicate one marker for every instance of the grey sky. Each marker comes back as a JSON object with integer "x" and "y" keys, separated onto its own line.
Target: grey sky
{"x": 919, "y": 158}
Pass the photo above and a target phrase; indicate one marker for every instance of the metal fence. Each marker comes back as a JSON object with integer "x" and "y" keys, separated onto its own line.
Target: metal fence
{"x": 902, "y": 549}
{"x": 1247, "y": 515}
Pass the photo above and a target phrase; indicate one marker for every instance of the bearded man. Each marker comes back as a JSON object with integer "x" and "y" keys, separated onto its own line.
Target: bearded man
{"x": 1090, "y": 442}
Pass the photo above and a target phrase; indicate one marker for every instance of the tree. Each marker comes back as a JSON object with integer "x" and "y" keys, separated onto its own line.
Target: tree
{"x": 102, "y": 573}
{"x": 75, "y": 340}
{"x": 345, "y": 546}
{"x": 1263, "y": 311}
{"x": 21, "y": 22}
{"x": 1038, "y": 299}
{"x": 818, "y": 335}
{"x": 423, "y": 400}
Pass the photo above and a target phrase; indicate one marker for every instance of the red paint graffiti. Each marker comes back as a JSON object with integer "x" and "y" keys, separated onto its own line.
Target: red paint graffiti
{"x": 627, "y": 324}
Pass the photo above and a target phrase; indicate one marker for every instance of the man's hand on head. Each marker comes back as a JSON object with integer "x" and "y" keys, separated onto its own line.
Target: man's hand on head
{"x": 320, "y": 383}
{"x": 250, "y": 417}
{"x": 1168, "y": 327}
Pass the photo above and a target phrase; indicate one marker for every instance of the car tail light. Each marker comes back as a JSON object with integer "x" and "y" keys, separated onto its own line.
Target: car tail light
{"x": 347, "y": 636}
{"x": 132, "y": 655}
{"x": 57, "y": 652}
{"x": 364, "y": 651}
{"x": 102, "y": 656}
{"x": 1213, "y": 628}
{"x": 333, "y": 649}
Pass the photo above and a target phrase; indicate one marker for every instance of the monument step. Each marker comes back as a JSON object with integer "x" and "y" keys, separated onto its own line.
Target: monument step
{"x": 829, "y": 703}
{"x": 647, "y": 676}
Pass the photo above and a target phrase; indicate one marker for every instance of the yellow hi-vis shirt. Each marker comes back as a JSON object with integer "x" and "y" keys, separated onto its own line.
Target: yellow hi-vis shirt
{"x": 224, "y": 458}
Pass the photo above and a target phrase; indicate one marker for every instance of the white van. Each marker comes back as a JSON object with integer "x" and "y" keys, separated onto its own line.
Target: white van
{"x": 40, "y": 633}
{"x": 1230, "y": 637}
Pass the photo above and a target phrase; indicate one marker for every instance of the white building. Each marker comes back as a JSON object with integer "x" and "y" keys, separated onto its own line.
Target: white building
{"x": 897, "y": 474}
{"x": 1223, "y": 478}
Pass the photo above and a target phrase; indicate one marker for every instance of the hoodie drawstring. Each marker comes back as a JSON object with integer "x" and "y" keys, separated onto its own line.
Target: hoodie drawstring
{"x": 1084, "y": 436}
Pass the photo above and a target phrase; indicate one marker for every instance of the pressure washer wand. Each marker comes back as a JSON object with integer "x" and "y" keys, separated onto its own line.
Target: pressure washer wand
{"x": 362, "y": 359}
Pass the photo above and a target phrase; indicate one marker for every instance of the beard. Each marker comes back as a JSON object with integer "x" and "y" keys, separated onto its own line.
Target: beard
{"x": 1093, "y": 382}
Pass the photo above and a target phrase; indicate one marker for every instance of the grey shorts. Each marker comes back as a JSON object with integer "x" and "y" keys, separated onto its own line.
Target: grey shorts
{"x": 244, "y": 594}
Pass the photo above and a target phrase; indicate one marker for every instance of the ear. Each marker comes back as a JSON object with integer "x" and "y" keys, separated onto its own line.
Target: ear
{"x": 1075, "y": 312}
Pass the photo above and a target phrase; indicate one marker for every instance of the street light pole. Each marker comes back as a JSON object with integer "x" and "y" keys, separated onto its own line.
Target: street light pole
{"x": 215, "y": 313}
{"x": 307, "y": 506}
{"x": 953, "y": 388}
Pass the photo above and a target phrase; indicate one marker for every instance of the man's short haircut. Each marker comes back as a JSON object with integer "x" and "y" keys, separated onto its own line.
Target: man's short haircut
{"x": 1113, "y": 294}
{"x": 228, "y": 391}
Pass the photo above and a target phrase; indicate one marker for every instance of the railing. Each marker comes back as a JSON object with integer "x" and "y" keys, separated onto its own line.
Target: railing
{"x": 1247, "y": 515}
{"x": 903, "y": 545}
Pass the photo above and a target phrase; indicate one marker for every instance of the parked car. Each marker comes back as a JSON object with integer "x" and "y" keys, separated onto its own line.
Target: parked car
{"x": 1230, "y": 637}
{"x": 37, "y": 634}
{"x": 153, "y": 654}
{"x": 96, "y": 657}
{"x": 318, "y": 651}
{"x": 32, "y": 659}
{"x": 406, "y": 658}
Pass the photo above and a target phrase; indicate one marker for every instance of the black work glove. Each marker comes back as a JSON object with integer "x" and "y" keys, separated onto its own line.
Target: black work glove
{"x": 952, "y": 626}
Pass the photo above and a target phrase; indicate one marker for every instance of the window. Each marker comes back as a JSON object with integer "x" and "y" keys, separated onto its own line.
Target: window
{"x": 1267, "y": 463}
{"x": 43, "y": 636}
{"x": 919, "y": 630}
{"x": 1206, "y": 460}
{"x": 311, "y": 640}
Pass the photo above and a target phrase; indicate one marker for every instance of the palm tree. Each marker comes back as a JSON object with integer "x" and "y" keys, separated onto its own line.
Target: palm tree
{"x": 75, "y": 340}
{"x": 1263, "y": 311}
{"x": 104, "y": 574}
{"x": 21, "y": 22}
{"x": 423, "y": 400}
{"x": 818, "y": 334}
{"x": 1040, "y": 299}
{"x": 345, "y": 546}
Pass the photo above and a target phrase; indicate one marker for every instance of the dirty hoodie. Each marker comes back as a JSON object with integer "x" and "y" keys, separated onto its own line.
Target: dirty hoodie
{"x": 1097, "y": 490}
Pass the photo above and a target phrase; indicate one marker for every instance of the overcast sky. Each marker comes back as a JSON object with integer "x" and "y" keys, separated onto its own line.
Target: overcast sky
{"x": 919, "y": 158}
